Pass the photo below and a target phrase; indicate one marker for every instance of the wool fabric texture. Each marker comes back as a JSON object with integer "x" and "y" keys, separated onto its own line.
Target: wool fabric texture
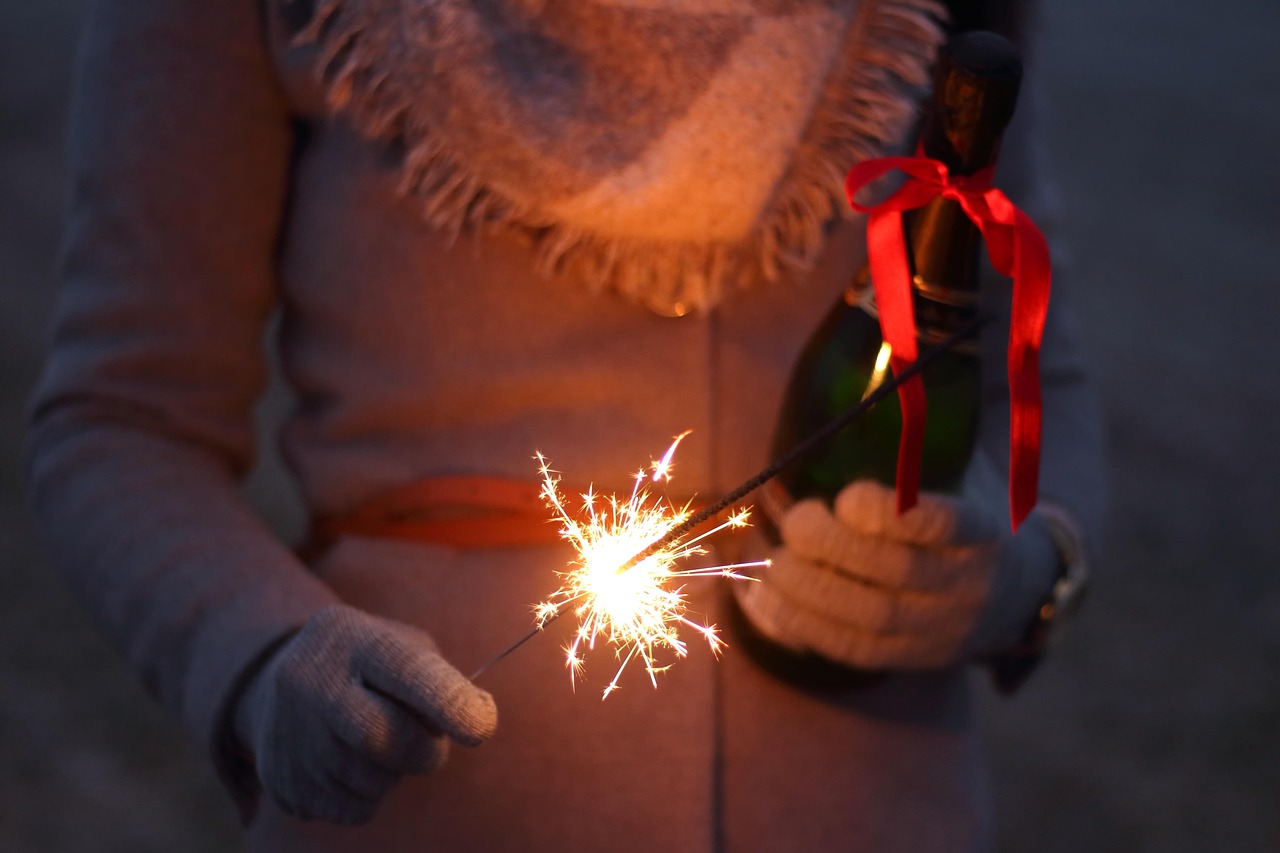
{"x": 666, "y": 149}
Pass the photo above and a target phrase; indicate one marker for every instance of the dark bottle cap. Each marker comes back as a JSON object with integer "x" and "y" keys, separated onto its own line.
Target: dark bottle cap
{"x": 976, "y": 83}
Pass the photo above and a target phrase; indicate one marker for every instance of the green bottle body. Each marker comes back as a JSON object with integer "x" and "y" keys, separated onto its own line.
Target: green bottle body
{"x": 839, "y": 366}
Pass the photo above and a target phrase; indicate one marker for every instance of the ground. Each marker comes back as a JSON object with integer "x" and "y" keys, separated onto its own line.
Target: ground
{"x": 1155, "y": 725}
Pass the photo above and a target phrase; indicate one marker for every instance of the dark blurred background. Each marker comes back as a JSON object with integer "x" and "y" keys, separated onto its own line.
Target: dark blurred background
{"x": 1156, "y": 724}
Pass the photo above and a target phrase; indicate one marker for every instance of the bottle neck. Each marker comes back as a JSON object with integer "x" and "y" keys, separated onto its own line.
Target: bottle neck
{"x": 975, "y": 89}
{"x": 976, "y": 84}
{"x": 938, "y": 314}
{"x": 944, "y": 248}
{"x": 944, "y": 260}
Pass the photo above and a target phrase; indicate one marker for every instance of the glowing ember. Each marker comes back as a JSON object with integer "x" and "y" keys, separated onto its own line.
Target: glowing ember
{"x": 630, "y": 604}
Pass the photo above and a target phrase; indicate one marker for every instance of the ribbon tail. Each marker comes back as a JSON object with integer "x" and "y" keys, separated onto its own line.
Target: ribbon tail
{"x": 1024, "y": 440}
{"x": 1032, "y": 282}
{"x": 891, "y": 278}
{"x": 911, "y": 398}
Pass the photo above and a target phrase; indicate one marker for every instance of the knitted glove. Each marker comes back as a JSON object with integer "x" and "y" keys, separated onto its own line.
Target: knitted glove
{"x": 866, "y": 587}
{"x": 347, "y": 706}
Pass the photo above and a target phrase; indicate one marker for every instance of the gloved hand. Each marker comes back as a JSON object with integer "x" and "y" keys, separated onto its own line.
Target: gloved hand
{"x": 942, "y": 583}
{"x": 348, "y": 705}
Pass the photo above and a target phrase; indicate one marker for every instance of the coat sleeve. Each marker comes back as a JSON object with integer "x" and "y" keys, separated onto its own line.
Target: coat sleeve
{"x": 140, "y": 429}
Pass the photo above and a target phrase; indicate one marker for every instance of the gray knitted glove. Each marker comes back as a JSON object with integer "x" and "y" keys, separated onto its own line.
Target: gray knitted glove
{"x": 865, "y": 587}
{"x": 347, "y": 706}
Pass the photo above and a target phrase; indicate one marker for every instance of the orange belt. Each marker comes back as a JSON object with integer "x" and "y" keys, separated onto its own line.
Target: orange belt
{"x": 457, "y": 511}
{"x": 462, "y": 511}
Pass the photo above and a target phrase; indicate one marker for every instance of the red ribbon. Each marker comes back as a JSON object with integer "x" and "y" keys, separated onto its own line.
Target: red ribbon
{"x": 1017, "y": 249}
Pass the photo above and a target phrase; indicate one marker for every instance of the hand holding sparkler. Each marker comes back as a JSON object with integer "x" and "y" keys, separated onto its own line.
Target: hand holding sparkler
{"x": 349, "y": 704}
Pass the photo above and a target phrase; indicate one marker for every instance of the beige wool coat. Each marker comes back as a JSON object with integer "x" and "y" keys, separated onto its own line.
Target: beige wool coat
{"x": 213, "y": 191}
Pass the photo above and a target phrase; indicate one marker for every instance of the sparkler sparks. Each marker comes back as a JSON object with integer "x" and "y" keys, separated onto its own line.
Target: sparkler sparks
{"x": 622, "y": 588}
{"x": 681, "y": 524}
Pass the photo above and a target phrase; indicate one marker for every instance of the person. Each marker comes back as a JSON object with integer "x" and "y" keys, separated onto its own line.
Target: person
{"x": 487, "y": 229}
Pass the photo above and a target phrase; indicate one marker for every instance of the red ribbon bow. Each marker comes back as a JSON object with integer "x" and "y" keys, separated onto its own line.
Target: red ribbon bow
{"x": 1017, "y": 249}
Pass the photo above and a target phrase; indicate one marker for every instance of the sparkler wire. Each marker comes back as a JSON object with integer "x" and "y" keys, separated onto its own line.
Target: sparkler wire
{"x": 773, "y": 469}
{"x": 812, "y": 442}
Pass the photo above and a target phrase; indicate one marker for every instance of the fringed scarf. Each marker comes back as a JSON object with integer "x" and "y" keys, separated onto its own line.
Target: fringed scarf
{"x": 665, "y": 149}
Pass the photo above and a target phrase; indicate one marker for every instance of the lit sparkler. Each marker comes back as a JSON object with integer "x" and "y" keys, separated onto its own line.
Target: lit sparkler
{"x": 625, "y": 592}
{"x": 598, "y": 579}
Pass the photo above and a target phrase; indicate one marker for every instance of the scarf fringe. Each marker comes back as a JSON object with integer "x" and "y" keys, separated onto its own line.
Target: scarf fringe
{"x": 867, "y": 105}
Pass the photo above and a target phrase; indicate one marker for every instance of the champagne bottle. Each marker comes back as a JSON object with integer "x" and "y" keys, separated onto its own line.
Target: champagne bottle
{"x": 975, "y": 88}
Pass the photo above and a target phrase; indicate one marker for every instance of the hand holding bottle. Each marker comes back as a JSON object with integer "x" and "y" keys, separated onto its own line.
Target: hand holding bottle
{"x": 945, "y": 582}
{"x": 347, "y": 706}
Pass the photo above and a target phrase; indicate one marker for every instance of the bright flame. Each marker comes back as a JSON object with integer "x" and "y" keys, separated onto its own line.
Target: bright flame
{"x": 881, "y": 369}
{"x": 635, "y": 608}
